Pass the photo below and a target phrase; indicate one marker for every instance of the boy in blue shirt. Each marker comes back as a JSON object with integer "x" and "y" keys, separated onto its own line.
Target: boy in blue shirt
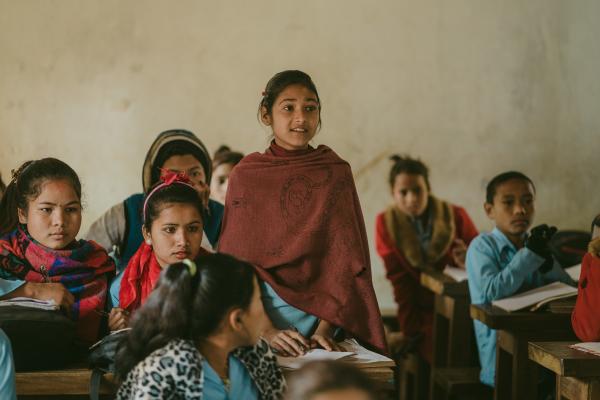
{"x": 508, "y": 260}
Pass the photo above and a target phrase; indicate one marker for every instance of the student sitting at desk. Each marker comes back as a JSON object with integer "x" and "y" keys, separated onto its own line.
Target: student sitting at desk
{"x": 508, "y": 260}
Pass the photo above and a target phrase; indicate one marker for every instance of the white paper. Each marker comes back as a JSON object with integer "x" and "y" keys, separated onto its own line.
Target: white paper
{"x": 588, "y": 347}
{"x": 574, "y": 272}
{"x": 458, "y": 274}
{"x": 532, "y": 297}
{"x": 361, "y": 355}
{"x": 311, "y": 355}
{"x": 48, "y": 305}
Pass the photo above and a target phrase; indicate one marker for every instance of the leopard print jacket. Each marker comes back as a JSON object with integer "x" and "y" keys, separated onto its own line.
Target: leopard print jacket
{"x": 174, "y": 372}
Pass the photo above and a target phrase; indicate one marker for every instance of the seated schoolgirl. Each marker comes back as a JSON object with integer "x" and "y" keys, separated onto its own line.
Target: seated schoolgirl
{"x": 172, "y": 230}
{"x": 197, "y": 337}
{"x": 419, "y": 230}
{"x": 294, "y": 213}
{"x": 40, "y": 217}
{"x": 119, "y": 230}
{"x": 329, "y": 380}
{"x": 223, "y": 162}
{"x": 585, "y": 321}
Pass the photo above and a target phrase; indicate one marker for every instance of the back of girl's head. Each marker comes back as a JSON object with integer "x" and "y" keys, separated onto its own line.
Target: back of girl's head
{"x": 319, "y": 378}
{"x": 408, "y": 165}
{"x": 174, "y": 193}
{"x": 26, "y": 185}
{"x": 224, "y": 155}
{"x": 180, "y": 148}
{"x": 187, "y": 303}
{"x": 279, "y": 82}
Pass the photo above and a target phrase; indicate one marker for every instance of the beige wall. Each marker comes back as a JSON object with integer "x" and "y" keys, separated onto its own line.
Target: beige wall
{"x": 473, "y": 87}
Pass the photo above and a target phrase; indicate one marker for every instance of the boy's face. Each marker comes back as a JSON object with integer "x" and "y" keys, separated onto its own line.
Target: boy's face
{"x": 513, "y": 207}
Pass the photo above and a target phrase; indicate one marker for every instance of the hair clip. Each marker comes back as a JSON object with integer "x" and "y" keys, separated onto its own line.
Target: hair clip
{"x": 191, "y": 266}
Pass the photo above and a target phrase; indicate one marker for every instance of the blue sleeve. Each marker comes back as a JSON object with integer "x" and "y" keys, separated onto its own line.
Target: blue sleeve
{"x": 489, "y": 281}
{"x": 7, "y": 286}
{"x": 115, "y": 287}
{"x": 7, "y": 369}
{"x": 557, "y": 273}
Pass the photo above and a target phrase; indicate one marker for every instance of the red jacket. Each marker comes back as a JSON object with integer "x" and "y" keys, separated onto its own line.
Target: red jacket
{"x": 585, "y": 318}
{"x": 415, "y": 303}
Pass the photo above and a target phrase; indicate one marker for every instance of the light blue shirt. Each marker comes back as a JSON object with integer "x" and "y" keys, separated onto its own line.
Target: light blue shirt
{"x": 285, "y": 316}
{"x": 114, "y": 288}
{"x": 7, "y": 369}
{"x": 242, "y": 385}
{"x": 7, "y": 286}
{"x": 496, "y": 269}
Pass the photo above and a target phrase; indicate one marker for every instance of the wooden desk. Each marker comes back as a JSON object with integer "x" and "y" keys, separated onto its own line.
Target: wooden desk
{"x": 516, "y": 375}
{"x": 61, "y": 382}
{"x": 453, "y": 339}
{"x": 577, "y": 373}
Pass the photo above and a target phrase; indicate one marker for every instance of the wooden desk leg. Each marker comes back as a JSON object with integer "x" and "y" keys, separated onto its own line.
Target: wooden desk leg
{"x": 516, "y": 375}
{"x": 440, "y": 333}
{"x": 461, "y": 340}
{"x": 569, "y": 388}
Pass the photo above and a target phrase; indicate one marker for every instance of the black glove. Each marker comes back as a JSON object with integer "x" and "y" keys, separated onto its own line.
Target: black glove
{"x": 538, "y": 240}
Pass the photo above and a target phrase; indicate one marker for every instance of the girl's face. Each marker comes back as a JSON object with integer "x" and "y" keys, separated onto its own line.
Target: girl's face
{"x": 176, "y": 234}
{"x": 254, "y": 320}
{"x": 294, "y": 118}
{"x": 218, "y": 184}
{"x": 54, "y": 217}
{"x": 189, "y": 165}
{"x": 410, "y": 194}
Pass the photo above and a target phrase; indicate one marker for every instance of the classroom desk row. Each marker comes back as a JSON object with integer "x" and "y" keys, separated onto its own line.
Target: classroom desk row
{"x": 518, "y": 343}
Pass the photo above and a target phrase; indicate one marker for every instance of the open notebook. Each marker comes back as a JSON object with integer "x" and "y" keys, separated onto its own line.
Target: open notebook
{"x": 534, "y": 299}
{"x": 353, "y": 353}
{"x": 48, "y": 305}
{"x": 458, "y": 274}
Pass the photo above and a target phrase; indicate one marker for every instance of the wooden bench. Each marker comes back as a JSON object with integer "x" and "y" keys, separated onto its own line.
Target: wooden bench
{"x": 59, "y": 383}
{"x": 413, "y": 377}
{"x": 459, "y": 383}
{"x": 577, "y": 372}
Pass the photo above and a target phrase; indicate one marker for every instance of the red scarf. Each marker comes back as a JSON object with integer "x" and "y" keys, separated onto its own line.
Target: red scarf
{"x": 297, "y": 218}
{"x": 140, "y": 277}
{"x": 83, "y": 268}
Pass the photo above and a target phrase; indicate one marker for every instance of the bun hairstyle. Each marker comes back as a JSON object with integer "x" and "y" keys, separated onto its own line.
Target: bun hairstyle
{"x": 187, "y": 303}
{"x": 26, "y": 185}
{"x": 279, "y": 82}
{"x": 404, "y": 164}
{"x": 224, "y": 155}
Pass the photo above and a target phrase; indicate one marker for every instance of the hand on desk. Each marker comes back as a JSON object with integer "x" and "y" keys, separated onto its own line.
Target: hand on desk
{"x": 459, "y": 253}
{"x": 118, "y": 319}
{"x": 288, "y": 343}
{"x": 325, "y": 342}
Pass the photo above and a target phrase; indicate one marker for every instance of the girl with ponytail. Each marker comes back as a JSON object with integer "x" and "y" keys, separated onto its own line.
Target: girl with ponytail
{"x": 40, "y": 217}
{"x": 418, "y": 230}
{"x": 198, "y": 336}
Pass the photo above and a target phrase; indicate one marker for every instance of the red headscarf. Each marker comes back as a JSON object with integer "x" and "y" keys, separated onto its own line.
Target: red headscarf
{"x": 297, "y": 218}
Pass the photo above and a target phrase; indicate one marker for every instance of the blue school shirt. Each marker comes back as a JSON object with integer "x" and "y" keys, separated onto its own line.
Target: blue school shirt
{"x": 285, "y": 316}
{"x": 242, "y": 385}
{"x": 496, "y": 269}
{"x": 7, "y": 286}
{"x": 7, "y": 369}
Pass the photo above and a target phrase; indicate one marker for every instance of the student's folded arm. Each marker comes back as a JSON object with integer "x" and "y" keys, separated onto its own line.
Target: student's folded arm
{"x": 109, "y": 229}
{"x": 584, "y": 318}
{"x": 488, "y": 281}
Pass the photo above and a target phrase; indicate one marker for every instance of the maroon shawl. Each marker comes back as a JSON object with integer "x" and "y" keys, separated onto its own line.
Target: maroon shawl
{"x": 297, "y": 218}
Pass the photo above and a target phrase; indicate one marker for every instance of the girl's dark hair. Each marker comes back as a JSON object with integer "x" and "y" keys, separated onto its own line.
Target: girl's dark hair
{"x": 408, "y": 165}
{"x": 323, "y": 376}
{"x": 26, "y": 185}
{"x": 496, "y": 181}
{"x": 595, "y": 222}
{"x": 174, "y": 193}
{"x": 179, "y": 148}
{"x": 185, "y": 306}
{"x": 279, "y": 82}
{"x": 224, "y": 155}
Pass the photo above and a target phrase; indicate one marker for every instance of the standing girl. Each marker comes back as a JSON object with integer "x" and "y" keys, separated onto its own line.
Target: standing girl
{"x": 416, "y": 231}
{"x": 293, "y": 212}
{"x": 40, "y": 216}
{"x": 172, "y": 231}
{"x": 197, "y": 337}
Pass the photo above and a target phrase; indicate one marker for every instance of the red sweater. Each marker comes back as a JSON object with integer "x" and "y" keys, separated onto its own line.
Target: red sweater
{"x": 585, "y": 319}
{"x": 415, "y": 303}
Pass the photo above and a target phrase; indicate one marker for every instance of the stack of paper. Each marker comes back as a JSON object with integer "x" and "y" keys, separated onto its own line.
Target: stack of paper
{"x": 458, "y": 274}
{"x": 48, "y": 305}
{"x": 536, "y": 298}
{"x": 574, "y": 272}
{"x": 589, "y": 347}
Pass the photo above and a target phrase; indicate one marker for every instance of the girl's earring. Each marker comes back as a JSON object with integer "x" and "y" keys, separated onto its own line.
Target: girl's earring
{"x": 149, "y": 242}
